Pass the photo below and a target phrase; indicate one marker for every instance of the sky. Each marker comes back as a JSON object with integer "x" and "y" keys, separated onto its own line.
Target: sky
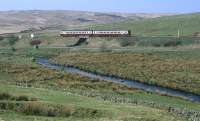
{"x": 124, "y": 6}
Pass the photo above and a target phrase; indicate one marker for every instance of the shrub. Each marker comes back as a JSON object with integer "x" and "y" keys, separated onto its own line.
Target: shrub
{"x": 51, "y": 112}
{"x": 8, "y": 105}
{"x": 13, "y": 49}
{"x": 22, "y": 98}
{"x": 12, "y": 40}
{"x": 36, "y": 108}
{"x": 87, "y": 112}
{"x": 172, "y": 43}
{"x": 40, "y": 109}
{"x": 5, "y": 96}
{"x": 162, "y": 41}
{"x": 128, "y": 41}
{"x": 1, "y": 38}
{"x": 32, "y": 108}
{"x": 3, "y": 105}
{"x": 104, "y": 48}
{"x": 33, "y": 99}
{"x": 66, "y": 111}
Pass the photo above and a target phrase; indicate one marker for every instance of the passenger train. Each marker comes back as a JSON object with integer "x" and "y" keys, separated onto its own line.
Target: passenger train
{"x": 94, "y": 33}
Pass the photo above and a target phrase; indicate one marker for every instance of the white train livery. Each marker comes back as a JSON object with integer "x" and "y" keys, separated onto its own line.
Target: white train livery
{"x": 94, "y": 33}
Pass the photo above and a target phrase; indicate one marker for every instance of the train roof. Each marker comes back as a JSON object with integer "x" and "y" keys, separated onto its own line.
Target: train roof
{"x": 95, "y": 30}
{"x": 76, "y": 30}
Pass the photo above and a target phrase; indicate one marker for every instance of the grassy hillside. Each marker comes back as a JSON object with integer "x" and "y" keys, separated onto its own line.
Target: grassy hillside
{"x": 158, "y": 32}
{"x": 163, "y": 26}
{"x": 16, "y": 21}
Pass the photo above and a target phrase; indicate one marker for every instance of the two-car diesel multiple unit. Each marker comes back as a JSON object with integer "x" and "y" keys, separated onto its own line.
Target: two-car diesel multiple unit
{"x": 94, "y": 33}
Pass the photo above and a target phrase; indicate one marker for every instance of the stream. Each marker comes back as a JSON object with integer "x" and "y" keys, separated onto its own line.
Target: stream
{"x": 130, "y": 83}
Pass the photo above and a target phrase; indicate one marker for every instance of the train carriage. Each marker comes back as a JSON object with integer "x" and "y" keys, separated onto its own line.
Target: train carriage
{"x": 74, "y": 33}
{"x": 94, "y": 33}
{"x": 110, "y": 33}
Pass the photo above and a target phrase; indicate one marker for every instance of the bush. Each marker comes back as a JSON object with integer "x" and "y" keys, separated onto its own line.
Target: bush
{"x": 124, "y": 42}
{"x": 104, "y": 48}
{"x": 32, "y": 108}
{"x": 5, "y": 96}
{"x": 40, "y": 109}
{"x": 172, "y": 43}
{"x": 1, "y": 38}
{"x": 13, "y": 49}
{"x": 33, "y": 99}
{"x": 12, "y": 40}
{"x": 9, "y": 105}
{"x": 87, "y": 112}
{"x": 163, "y": 41}
{"x": 22, "y": 98}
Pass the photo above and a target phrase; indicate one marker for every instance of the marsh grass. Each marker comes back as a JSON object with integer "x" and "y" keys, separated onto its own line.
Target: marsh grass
{"x": 176, "y": 73}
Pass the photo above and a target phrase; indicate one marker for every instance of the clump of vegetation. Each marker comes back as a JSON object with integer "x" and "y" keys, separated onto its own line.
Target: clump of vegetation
{"x": 172, "y": 43}
{"x": 176, "y": 73}
{"x": 41, "y": 109}
{"x": 104, "y": 48}
{"x": 1, "y": 38}
{"x": 37, "y": 108}
{"x": 7, "y": 96}
{"x": 88, "y": 113}
{"x": 128, "y": 41}
{"x": 164, "y": 41}
{"x": 12, "y": 39}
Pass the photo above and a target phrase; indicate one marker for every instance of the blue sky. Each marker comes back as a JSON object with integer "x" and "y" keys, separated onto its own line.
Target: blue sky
{"x": 147, "y": 6}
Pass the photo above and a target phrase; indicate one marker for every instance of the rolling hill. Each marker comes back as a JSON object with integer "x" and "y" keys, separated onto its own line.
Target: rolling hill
{"x": 157, "y": 30}
{"x": 188, "y": 24}
{"x": 16, "y": 21}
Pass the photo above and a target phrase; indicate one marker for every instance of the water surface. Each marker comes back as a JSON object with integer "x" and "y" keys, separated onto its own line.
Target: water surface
{"x": 130, "y": 83}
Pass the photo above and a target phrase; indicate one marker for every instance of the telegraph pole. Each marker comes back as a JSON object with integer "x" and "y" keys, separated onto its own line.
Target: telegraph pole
{"x": 178, "y": 33}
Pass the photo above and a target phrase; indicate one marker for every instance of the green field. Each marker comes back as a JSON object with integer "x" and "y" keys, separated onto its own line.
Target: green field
{"x": 188, "y": 24}
{"x": 84, "y": 99}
